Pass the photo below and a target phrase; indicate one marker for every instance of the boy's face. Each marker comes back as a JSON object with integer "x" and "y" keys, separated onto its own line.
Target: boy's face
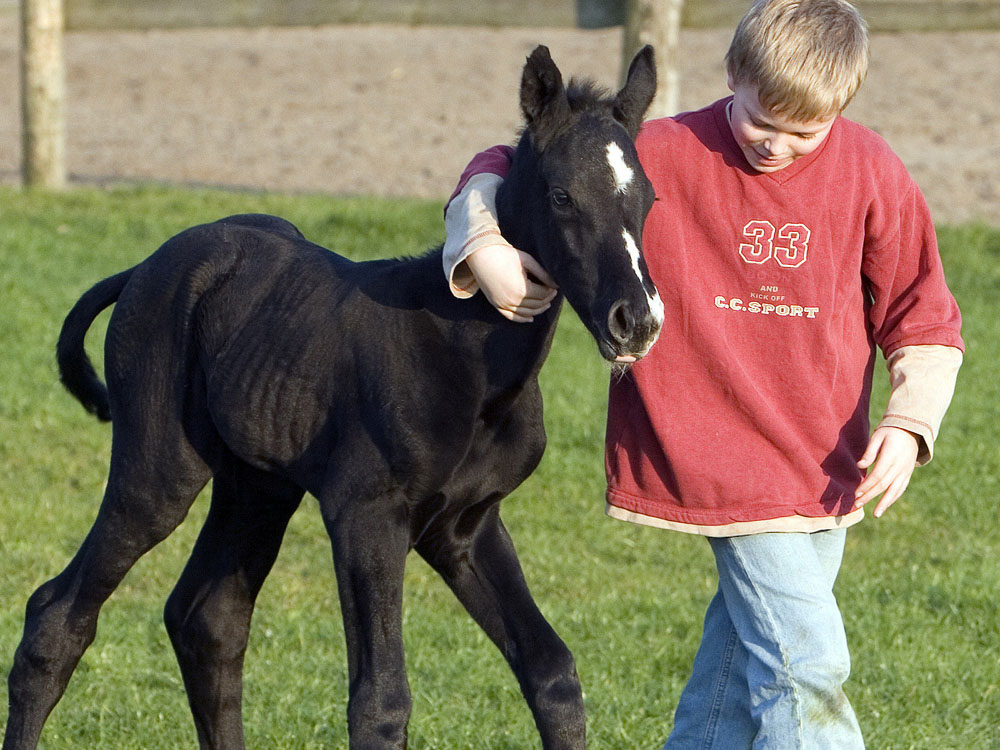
{"x": 769, "y": 140}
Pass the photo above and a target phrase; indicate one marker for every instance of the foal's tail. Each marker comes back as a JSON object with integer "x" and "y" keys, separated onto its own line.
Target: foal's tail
{"x": 75, "y": 369}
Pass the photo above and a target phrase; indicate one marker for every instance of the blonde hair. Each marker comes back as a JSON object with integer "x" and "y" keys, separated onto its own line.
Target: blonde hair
{"x": 807, "y": 58}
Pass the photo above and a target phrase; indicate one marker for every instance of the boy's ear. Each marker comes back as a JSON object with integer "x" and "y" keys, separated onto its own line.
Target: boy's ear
{"x": 637, "y": 94}
{"x": 543, "y": 96}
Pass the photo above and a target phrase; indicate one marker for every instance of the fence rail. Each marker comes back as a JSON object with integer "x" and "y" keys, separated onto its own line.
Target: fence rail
{"x": 893, "y": 15}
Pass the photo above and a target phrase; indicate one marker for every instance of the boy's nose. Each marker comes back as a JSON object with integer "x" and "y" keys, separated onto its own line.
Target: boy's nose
{"x": 775, "y": 144}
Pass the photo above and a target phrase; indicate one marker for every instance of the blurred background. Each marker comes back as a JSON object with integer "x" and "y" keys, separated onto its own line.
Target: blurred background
{"x": 393, "y": 97}
{"x": 354, "y": 119}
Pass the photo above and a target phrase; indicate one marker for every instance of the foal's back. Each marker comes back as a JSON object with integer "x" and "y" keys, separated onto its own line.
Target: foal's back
{"x": 293, "y": 356}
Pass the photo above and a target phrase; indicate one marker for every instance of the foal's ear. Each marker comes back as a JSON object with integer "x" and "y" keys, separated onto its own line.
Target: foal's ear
{"x": 637, "y": 94}
{"x": 543, "y": 96}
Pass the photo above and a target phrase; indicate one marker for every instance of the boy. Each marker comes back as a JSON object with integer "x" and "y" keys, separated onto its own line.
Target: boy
{"x": 786, "y": 243}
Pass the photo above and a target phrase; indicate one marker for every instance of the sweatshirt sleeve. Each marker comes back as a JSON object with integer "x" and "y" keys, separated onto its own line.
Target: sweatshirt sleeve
{"x": 913, "y": 316}
{"x": 470, "y": 222}
{"x": 922, "y": 380}
{"x": 495, "y": 160}
{"x": 910, "y": 303}
{"x": 470, "y": 217}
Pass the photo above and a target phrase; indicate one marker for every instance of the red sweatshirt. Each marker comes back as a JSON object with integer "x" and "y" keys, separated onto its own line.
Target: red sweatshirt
{"x": 751, "y": 411}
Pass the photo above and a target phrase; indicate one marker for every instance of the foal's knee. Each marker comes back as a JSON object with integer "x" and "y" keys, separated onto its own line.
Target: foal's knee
{"x": 550, "y": 678}
{"x": 198, "y": 632}
{"x": 552, "y": 689}
{"x": 53, "y": 627}
{"x": 378, "y": 715}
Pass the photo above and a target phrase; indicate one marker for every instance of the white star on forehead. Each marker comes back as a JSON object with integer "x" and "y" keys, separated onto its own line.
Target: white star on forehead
{"x": 621, "y": 171}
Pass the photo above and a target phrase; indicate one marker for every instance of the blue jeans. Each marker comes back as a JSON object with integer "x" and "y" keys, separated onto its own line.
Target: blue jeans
{"x": 773, "y": 656}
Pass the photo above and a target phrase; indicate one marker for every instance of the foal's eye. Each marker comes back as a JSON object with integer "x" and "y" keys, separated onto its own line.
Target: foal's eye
{"x": 560, "y": 198}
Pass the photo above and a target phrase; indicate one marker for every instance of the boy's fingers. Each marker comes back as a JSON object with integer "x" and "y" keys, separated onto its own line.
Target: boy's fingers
{"x": 534, "y": 268}
{"x": 895, "y": 459}
{"x": 871, "y": 452}
{"x": 522, "y": 313}
{"x": 533, "y": 311}
{"x": 538, "y": 294}
{"x": 873, "y": 485}
{"x": 890, "y": 482}
{"x": 892, "y": 495}
{"x": 885, "y": 503}
{"x": 513, "y": 316}
{"x": 869, "y": 490}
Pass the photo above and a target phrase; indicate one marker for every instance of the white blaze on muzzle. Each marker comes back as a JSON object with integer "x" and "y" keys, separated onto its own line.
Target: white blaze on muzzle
{"x": 654, "y": 301}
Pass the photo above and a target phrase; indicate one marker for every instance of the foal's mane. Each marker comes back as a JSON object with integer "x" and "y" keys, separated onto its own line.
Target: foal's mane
{"x": 584, "y": 94}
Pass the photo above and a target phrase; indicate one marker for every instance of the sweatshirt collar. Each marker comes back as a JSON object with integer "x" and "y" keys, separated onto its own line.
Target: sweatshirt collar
{"x": 721, "y": 111}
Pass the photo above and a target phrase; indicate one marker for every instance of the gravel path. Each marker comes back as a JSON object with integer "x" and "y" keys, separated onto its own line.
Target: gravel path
{"x": 398, "y": 110}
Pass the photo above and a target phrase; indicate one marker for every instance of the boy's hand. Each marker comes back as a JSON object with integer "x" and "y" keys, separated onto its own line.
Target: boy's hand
{"x": 513, "y": 281}
{"x": 894, "y": 454}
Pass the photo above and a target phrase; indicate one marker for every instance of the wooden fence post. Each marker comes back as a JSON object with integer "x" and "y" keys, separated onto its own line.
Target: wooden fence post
{"x": 657, "y": 22}
{"x": 43, "y": 94}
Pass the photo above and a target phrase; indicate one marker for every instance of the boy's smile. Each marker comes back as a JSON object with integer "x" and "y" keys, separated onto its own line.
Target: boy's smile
{"x": 770, "y": 141}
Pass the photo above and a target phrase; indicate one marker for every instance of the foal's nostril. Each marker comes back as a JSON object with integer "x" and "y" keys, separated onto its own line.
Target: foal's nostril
{"x": 621, "y": 321}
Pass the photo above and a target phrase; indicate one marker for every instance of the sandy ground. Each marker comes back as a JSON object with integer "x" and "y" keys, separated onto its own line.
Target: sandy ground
{"x": 397, "y": 110}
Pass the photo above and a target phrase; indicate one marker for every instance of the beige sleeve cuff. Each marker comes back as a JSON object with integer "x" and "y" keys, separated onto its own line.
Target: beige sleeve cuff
{"x": 922, "y": 380}
{"x": 470, "y": 223}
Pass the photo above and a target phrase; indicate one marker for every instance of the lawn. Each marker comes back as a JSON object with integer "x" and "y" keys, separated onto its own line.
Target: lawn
{"x": 919, "y": 588}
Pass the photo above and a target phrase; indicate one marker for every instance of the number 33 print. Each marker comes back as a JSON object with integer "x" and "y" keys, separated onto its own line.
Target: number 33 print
{"x": 789, "y": 245}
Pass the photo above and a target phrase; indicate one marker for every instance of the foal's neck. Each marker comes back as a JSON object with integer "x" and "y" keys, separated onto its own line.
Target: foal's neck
{"x": 521, "y": 186}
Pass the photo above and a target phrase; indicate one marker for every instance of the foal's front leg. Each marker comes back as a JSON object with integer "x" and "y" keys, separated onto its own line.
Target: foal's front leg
{"x": 370, "y": 542}
{"x": 483, "y": 570}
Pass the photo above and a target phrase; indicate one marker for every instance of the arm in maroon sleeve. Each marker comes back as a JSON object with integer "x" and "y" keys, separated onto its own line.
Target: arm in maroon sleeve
{"x": 477, "y": 257}
{"x": 494, "y": 160}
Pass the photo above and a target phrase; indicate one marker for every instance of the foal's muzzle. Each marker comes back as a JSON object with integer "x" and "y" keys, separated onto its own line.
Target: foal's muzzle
{"x": 632, "y": 329}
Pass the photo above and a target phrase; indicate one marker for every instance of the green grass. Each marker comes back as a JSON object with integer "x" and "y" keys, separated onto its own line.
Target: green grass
{"x": 919, "y": 588}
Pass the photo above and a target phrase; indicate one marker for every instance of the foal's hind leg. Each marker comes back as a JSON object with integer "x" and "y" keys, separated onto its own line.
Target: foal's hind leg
{"x": 482, "y": 569}
{"x": 208, "y": 614}
{"x": 148, "y": 495}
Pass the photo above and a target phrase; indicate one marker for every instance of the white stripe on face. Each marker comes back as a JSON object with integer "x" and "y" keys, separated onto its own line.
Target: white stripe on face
{"x": 621, "y": 171}
{"x": 654, "y": 301}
